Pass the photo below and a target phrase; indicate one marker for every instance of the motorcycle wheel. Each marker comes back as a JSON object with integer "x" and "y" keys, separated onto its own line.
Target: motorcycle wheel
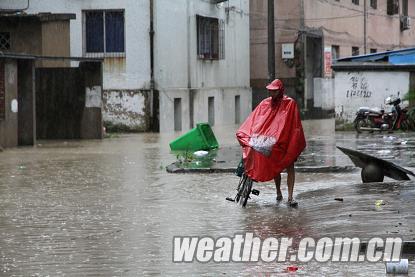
{"x": 359, "y": 123}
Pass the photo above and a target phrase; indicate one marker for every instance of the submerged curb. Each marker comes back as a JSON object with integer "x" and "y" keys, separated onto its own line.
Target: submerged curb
{"x": 178, "y": 168}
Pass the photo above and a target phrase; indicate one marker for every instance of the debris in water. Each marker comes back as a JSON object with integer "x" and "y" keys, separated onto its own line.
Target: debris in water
{"x": 339, "y": 199}
{"x": 200, "y": 154}
{"x": 376, "y": 165}
{"x": 379, "y": 203}
{"x": 292, "y": 268}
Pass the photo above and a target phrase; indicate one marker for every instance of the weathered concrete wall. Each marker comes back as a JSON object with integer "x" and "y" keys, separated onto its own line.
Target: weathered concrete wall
{"x": 172, "y": 59}
{"x": 126, "y": 110}
{"x": 383, "y": 31}
{"x": 224, "y": 106}
{"x": 286, "y": 31}
{"x": 354, "y": 89}
{"x": 9, "y": 126}
{"x": 324, "y": 93}
{"x": 167, "y": 109}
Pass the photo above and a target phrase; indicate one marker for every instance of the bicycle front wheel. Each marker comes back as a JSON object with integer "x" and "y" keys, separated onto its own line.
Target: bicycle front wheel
{"x": 245, "y": 191}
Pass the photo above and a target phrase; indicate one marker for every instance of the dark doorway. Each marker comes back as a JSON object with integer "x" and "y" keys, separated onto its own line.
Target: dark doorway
{"x": 313, "y": 67}
{"x": 26, "y": 102}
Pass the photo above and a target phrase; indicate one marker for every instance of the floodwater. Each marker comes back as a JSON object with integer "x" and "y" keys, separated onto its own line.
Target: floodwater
{"x": 109, "y": 208}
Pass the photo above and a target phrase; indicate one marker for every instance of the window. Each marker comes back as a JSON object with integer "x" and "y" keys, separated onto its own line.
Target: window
{"x": 355, "y": 51}
{"x": 405, "y": 7}
{"x": 237, "y": 109}
{"x": 374, "y": 4}
{"x": 177, "y": 114}
{"x": 356, "y": 2}
{"x": 392, "y": 7}
{"x": 335, "y": 52}
{"x": 4, "y": 41}
{"x": 104, "y": 32}
{"x": 210, "y": 38}
{"x": 373, "y": 50}
{"x": 2, "y": 93}
{"x": 211, "y": 111}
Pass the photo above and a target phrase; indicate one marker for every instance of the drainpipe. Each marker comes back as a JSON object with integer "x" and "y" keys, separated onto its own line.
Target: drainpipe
{"x": 304, "y": 52}
{"x": 189, "y": 81}
{"x": 271, "y": 41}
{"x": 16, "y": 11}
{"x": 152, "y": 112}
{"x": 365, "y": 26}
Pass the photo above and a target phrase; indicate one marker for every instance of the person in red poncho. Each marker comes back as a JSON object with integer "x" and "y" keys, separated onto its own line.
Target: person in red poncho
{"x": 272, "y": 138}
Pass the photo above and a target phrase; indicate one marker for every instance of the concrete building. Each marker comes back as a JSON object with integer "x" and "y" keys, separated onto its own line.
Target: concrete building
{"x": 166, "y": 63}
{"x": 202, "y": 62}
{"x": 311, "y": 34}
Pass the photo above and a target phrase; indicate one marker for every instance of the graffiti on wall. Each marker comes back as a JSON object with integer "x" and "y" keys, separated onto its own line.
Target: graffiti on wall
{"x": 359, "y": 87}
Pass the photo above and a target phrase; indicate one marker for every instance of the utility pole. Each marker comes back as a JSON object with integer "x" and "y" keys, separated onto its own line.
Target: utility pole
{"x": 271, "y": 41}
{"x": 365, "y": 26}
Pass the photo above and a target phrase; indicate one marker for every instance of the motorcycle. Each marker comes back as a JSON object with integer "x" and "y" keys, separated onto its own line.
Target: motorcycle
{"x": 368, "y": 119}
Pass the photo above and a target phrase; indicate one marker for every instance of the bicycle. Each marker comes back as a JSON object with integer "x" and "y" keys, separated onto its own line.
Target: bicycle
{"x": 244, "y": 189}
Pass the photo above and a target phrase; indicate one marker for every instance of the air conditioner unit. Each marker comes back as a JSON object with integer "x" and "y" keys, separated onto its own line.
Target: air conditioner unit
{"x": 405, "y": 22}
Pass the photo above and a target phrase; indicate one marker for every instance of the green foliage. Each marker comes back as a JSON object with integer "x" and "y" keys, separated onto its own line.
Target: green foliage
{"x": 410, "y": 96}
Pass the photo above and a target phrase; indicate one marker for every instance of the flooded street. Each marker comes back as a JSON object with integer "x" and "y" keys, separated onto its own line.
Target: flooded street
{"x": 109, "y": 208}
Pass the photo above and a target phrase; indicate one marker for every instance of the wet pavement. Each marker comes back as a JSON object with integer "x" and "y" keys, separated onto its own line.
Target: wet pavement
{"x": 109, "y": 208}
{"x": 321, "y": 154}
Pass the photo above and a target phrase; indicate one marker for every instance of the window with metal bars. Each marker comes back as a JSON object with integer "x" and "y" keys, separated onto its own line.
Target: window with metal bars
{"x": 356, "y": 2}
{"x": 4, "y": 41}
{"x": 210, "y": 38}
{"x": 104, "y": 32}
{"x": 374, "y": 4}
{"x": 355, "y": 51}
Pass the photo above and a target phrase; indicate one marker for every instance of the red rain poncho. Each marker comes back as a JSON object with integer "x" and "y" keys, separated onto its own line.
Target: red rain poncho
{"x": 279, "y": 131}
